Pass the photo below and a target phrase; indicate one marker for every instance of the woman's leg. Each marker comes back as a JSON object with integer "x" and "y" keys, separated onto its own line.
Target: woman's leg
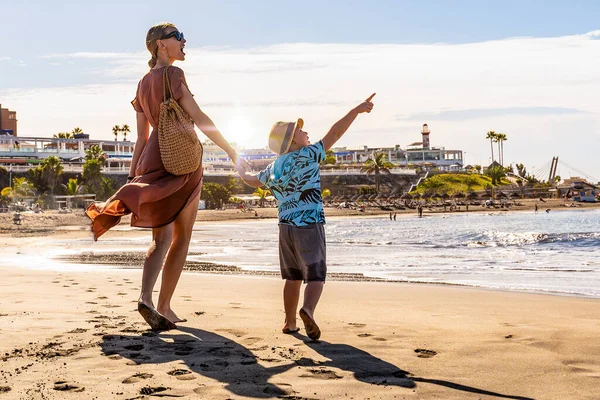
{"x": 182, "y": 233}
{"x": 161, "y": 241}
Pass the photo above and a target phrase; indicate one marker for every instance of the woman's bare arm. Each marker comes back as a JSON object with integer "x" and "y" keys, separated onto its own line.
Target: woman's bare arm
{"x": 205, "y": 124}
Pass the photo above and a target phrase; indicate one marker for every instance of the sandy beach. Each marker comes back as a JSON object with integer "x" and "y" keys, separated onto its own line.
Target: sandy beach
{"x": 80, "y": 333}
{"x": 77, "y": 335}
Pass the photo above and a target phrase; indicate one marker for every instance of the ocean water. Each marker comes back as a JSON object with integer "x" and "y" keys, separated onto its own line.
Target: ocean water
{"x": 556, "y": 252}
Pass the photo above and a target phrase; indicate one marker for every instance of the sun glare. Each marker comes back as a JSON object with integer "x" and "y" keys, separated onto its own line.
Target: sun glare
{"x": 238, "y": 130}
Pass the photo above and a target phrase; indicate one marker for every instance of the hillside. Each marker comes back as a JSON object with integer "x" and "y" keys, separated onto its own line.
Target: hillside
{"x": 454, "y": 183}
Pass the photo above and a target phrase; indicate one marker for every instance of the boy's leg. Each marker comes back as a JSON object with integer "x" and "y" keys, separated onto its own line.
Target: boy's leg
{"x": 311, "y": 243}
{"x": 291, "y": 294}
{"x": 293, "y": 278}
{"x": 312, "y": 294}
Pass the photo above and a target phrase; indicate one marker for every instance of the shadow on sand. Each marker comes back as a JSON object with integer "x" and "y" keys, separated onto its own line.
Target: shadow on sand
{"x": 235, "y": 365}
{"x": 370, "y": 369}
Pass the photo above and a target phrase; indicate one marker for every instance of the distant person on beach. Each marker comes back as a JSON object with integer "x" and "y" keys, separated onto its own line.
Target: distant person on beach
{"x": 295, "y": 181}
{"x": 420, "y": 210}
{"x": 536, "y": 207}
{"x": 157, "y": 199}
{"x": 391, "y": 216}
{"x": 394, "y": 216}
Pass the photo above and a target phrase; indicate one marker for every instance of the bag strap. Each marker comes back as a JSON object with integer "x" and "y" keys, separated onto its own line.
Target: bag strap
{"x": 167, "y": 84}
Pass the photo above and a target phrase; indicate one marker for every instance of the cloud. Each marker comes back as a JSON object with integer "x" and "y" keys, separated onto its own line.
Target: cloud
{"x": 89, "y": 55}
{"x": 539, "y": 91}
{"x": 473, "y": 113}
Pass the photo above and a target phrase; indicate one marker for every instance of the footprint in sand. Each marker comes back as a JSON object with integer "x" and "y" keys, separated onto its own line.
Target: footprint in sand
{"x": 5, "y": 389}
{"x": 236, "y": 332}
{"x": 357, "y": 325}
{"x": 321, "y": 373}
{"x": 199, "y": 312}
{"x": 150, "y": 391}
{"x": 424, "y": 353}
{"x": 364, "y": 335}
{"x": 64, "y": 386}
{"x": 121, "y": 294}
{"x": 78, "y": 330}
{"x": 380, "y": 339}
{"x": 214, "y": 365}
{"x": 101, "y": 298}
{"x": 137, "y": 377}
{"x": 182, "y": 374}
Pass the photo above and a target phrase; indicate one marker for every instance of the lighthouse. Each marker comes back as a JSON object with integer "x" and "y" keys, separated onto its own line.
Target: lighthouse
{"x": 425, "y": 132}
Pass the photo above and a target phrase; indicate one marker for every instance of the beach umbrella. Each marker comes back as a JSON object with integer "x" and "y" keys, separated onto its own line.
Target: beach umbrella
{"x": 501, "y": 195}
{"x": 446, "y": 196}
{"x": 515, "y": 195}
{"x": 425, "y": 196}
{"x": 472, "y": 195}
{"x": 372, "y": 197}
{"x": 406, "y": 196}
{"x": 436, "y": 196}
{"x": 355, "y": 197}
{"x": 416, "y": 195}
{"x": 458, "y": 195}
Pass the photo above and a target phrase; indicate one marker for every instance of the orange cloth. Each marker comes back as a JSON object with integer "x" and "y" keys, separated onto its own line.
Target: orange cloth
{"x": 154, "y": 197}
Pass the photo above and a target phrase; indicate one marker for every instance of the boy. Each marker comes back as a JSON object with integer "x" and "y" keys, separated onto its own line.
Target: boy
{"x": 294, "y": 180}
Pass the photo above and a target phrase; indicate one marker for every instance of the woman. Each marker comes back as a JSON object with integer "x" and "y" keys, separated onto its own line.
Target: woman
{"x": 166, "y": 203}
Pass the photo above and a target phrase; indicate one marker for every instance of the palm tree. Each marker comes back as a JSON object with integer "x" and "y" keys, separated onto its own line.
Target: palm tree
{"x": 52, "y": 169}
{"x": 262, "y": 193}
{"x": 95, "y": 152}
{"x": 325, "y": 193}
{"x": 492, "y": 136}
{"x": 63, "y": 135}
{"x": 77, "y": 131}
{"x": 72, "y": 187}
{"x": 20, "y": 188}
{"x": 125, "y": 129}
{"x": 116, "y": 129}
{"x": 500, "y": 138}
{"x": 377, "y": 166}
{"x": 496, "y": 173}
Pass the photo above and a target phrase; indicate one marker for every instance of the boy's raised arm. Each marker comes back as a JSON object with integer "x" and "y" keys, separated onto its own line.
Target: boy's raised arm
{"x": 340, "y": 127}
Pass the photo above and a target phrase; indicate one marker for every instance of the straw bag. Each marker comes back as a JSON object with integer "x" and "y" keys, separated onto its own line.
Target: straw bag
{"x": 180, "y": 148}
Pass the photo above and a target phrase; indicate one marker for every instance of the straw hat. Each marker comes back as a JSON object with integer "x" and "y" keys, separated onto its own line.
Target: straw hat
{"x": 282, "y": 133}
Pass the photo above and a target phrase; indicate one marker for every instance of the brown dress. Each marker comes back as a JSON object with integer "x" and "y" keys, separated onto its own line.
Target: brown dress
{"x": 154, "y": 197}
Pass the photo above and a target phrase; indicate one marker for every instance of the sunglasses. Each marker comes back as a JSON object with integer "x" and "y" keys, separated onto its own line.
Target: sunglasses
{"x": 176, "y": 34}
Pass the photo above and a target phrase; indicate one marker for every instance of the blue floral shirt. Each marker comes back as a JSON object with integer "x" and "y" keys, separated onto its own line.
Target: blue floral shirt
{"x": 295, "y": 181}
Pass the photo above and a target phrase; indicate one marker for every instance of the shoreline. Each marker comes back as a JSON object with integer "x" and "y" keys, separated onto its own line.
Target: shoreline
{"x": 50, "y": 222}
{"x": 133, "y": 261}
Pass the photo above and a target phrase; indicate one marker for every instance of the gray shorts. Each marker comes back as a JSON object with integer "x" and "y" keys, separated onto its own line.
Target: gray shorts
{"x": 302, "y": 252}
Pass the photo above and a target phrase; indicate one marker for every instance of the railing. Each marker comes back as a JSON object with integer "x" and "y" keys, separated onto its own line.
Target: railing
{"x": 78, "y": 168}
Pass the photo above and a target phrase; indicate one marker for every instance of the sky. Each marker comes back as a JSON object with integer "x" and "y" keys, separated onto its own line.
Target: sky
{"x": 525, "y": 68}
